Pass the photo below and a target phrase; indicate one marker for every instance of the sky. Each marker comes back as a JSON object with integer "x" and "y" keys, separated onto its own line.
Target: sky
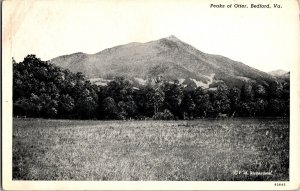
{"x": 266, "y": 39}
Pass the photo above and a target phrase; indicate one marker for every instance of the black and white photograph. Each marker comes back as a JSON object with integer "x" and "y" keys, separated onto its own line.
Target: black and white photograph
{"x": 144, "y": 93}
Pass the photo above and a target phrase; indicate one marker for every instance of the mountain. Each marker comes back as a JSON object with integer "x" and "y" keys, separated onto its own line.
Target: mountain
{"x": 281, "y": 74}
{"x": 168, "y": 57}
{"x": 285, "y": 75}
{"x": 278, "y": 73}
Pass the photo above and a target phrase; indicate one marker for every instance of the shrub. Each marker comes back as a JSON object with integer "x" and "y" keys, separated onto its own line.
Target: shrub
{"x": 165, "y": 115}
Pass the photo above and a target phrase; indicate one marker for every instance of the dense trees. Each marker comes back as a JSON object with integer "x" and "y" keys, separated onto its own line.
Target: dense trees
{"x": 173, "y": 98}
{"x": 41, "y": 89}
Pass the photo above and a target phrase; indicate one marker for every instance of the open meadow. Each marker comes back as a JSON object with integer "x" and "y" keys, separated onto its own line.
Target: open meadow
{"x": 198, "y": 150}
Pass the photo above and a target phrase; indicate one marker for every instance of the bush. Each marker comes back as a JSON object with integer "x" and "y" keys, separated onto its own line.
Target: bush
{"x": 165, "y": 115}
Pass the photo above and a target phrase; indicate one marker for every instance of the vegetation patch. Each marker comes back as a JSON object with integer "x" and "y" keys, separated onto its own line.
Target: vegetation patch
{"x": 43, "y": 90}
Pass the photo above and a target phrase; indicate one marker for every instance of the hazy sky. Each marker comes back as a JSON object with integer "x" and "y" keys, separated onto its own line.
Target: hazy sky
{"x": 267, "y": 39}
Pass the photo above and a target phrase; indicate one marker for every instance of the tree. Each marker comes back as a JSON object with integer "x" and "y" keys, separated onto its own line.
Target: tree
{"x": 245, "y": 109}
{"x": 48, "y": 106}
{"x": 260, "y": 107}
{"x": 131, "y": 109}
{"x": 144, "y": 107}
{"x": 120, "y": 89}
{"x": 187, "y": 105}
{"x": 23, "y": 106}
{"x": 155, "y": 97}
{"x": 203, "y": 106}
{"x": 234, "y": 97}
{"x": 110, "y": 109}
{"x": 173, "y": 98}
{"x": 286, "y": 97}
{"x": 149, "y": 100}
{"x": 66, "y": 105}
{"x": 219, "y": 99}
{"x": 275, "y": 107}
{"x": 246, "y": 92}
{"x": 86, "y": 105}
{"x": 259, "y": 91}
{"x": 275, "y": 90}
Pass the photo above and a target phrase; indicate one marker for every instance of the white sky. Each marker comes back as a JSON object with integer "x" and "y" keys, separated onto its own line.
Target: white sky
{"x": 267, "y": 39}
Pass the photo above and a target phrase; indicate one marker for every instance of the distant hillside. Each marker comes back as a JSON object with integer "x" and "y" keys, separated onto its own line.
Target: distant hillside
{"x": 168, "y": 57}
{"x": 278, "y": 73}
{"x": 286, "y": 75}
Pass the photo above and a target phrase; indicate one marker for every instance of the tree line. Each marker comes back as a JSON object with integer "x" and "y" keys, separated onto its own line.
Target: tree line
{"x": 43, "y": 90}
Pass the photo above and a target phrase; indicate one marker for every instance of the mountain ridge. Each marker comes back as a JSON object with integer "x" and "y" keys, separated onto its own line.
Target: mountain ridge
{"x": 278, "y": 72}
{"x": 168, "y": 57}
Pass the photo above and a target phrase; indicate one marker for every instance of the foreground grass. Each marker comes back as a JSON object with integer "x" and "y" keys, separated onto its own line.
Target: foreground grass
{"x": 233, "y": 149}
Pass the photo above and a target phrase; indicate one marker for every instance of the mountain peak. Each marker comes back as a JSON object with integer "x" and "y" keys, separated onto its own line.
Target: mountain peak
{"x": 168, "y": 57}
{"x": 173, "y": 38}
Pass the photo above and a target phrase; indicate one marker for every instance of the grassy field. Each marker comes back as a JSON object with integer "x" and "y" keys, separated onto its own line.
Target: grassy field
{"x": 231, "y": 149}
